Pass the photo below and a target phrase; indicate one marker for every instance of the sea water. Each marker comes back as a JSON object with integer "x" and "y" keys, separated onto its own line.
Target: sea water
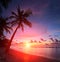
{"x": 53, "y": 53}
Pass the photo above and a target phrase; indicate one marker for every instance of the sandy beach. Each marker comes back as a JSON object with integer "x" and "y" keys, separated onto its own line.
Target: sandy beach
{"x": 16, "y": 56}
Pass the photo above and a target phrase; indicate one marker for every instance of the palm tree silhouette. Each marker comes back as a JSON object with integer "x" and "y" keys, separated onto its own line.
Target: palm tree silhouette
{"x": 35, "y": 41}
{"x": 39, "y": 41}
{"x": 52, "y": 39}
{"x": 4, "y": 4}
{"x": 20, "y": 18}
{"x": 31, "y": 41}
{"x": 4, "y": 26}
{"x": 56, "y": 40}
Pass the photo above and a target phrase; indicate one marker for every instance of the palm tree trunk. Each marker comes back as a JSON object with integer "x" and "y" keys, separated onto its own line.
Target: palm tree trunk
{"x": 8, "y": 47}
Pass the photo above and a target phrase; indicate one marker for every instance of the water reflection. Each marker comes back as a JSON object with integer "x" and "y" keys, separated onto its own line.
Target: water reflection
{"x": 53, "y": 53}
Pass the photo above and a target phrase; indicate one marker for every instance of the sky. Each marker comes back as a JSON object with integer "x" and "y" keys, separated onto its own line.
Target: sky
{"x": 45, "y": 19}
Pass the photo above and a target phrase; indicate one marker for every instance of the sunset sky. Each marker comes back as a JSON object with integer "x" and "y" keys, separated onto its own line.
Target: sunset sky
{"x": 45, "y": 19}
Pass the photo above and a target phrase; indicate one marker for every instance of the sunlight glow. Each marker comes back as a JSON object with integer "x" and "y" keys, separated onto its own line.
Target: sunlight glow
{"x": 27, "y": 45}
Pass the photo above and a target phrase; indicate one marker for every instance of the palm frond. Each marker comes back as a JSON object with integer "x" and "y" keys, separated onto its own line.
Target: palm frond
{"x": 10, "y": 28}
{"x": 7, "y": 30}
{"x": 18, "y": 9}
{"x": 0, "y": 10}
{"x": 13, "y": 13}
{"x": 5, "y": 3}
{"x": 13, "y": 23}
{"x": 11, "y": 17}
{"x": 27, "y": 22}
{"x": 27, "y": 13}
{"x": 4, "y": 25}
{"x": 8, "y": 23}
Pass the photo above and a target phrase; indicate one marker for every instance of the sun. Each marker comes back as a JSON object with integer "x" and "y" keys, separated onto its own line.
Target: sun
{"x": 27, "y": 45}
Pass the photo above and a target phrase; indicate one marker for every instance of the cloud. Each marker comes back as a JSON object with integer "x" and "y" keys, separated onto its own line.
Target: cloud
{"x": 29, "y": 35}
{"x": 56, "y": 31}
{"x": 53, "y": 32}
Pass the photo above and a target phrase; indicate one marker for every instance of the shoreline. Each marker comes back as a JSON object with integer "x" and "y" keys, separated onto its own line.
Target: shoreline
{"x": 39, "y": 52}
{"x": 17, "y": 56}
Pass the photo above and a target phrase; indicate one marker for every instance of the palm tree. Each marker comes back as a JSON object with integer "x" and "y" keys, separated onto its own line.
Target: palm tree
{"x": 39, "y": 41}
{"x": 31, "y": 41}
{"x": 56, "y": 40}
{"x": 35, "y": 41}
{"x": 52, "y": 39}
{"x": 4, "y": 26}
{"x": 20, "y": 18}
{"x": 4, "y": 4}
{"x": 42, "y": 39}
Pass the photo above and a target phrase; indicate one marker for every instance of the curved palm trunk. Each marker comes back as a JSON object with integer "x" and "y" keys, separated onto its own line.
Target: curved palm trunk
{"x": 8, "y": 47}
